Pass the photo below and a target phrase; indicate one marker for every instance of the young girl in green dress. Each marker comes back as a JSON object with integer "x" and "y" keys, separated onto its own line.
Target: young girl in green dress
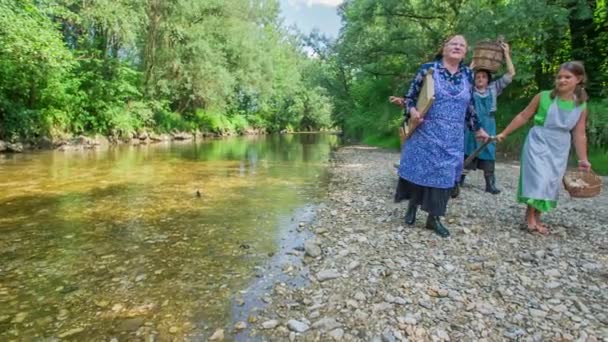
{"x": 547, "y": 147}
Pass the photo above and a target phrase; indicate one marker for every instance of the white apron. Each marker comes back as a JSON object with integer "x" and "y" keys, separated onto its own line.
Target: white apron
{"x": 545, "y": 153}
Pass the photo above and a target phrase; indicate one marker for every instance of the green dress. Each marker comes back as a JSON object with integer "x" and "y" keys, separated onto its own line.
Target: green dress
{"x": 545, "y": 152}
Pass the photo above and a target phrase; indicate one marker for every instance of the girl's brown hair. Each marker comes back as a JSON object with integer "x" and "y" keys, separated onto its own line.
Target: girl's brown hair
{"x": 578, "y": 69}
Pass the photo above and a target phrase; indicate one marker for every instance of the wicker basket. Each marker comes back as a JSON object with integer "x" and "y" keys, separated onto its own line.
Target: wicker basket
{"x": 488, "y": 56}
{"x": 582, "y": 184}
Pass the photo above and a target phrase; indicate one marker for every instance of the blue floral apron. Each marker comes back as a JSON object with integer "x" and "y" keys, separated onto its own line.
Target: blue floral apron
{"x": 433, "y": 155}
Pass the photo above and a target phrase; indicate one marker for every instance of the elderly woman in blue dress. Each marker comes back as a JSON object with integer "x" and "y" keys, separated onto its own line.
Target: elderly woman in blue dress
{"x": 432, "y": 159}
{"x": 544, "y": 157}
{"x": 485, "y": 93}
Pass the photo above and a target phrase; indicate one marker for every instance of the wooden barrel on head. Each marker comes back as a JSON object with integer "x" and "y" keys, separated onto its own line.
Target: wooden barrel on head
{"x": 488, "y": 56}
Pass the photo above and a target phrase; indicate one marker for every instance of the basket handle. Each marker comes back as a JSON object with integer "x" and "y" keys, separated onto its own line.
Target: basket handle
{"x": 590, "y": 171}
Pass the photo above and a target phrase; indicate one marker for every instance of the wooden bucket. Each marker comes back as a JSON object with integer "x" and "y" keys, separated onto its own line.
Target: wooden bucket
{"x": 488, "y": 56}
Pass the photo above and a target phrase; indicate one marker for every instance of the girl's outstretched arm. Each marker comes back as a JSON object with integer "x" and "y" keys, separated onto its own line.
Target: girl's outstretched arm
{"x": 520, "y": 119}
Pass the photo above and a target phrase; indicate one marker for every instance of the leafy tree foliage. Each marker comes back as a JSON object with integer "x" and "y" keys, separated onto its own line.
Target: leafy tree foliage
{"x": 382, "y": 43}
{"x": 117, "y": 67}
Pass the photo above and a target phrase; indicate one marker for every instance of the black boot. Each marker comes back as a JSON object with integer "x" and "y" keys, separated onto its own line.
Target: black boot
{"x": 434, "y": 223}
{"x": 410, "y": 215}
{"x": 462, "y": 177}
{"x": 455, "y": 191}
{"x": 491, "y": 184}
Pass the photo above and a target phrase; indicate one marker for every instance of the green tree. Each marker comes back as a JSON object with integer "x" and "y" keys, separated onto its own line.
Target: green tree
{"x": 35, "y": 73}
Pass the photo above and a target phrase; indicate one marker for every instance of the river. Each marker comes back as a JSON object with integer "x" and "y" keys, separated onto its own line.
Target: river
{"x": 156, "y": 242}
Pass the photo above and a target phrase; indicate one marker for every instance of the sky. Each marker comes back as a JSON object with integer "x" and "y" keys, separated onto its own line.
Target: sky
{"x": 309, "y": 14}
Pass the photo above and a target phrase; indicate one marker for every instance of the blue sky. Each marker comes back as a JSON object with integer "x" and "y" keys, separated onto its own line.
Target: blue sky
{"x": 308, "y": 14}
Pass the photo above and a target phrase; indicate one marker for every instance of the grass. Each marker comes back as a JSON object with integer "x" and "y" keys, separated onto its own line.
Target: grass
{"x": 599, "y": 161}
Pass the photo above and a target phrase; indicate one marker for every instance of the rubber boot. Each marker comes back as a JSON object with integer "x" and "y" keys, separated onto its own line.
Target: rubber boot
{"x": 462, "y": 177}
{"x": 491, "y": 184}
{"x": 410, "y": 215}
{"x": 434, "y": 223}
{"x": 455, "y": 191}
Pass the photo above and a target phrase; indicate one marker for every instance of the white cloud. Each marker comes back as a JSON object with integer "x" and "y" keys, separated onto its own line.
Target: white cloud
{"x": 309, "y": 3}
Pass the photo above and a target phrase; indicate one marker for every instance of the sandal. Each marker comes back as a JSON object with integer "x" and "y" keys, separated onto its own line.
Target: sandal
{"x": 542, "y": 229}
{"x": 530, "y": 229}
{"x": 536, "y": 229}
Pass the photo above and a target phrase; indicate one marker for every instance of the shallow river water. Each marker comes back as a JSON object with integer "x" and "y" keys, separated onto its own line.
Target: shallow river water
{"x": 116, "y": 244}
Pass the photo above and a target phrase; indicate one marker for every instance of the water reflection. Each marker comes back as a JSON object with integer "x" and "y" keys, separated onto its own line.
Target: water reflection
{"x": 115, "y": 243}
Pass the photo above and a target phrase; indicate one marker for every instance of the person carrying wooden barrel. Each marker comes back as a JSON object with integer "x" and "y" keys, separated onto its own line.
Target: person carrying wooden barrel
{"x": 432, "y": 158}
{"x": 484, "y": 95}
